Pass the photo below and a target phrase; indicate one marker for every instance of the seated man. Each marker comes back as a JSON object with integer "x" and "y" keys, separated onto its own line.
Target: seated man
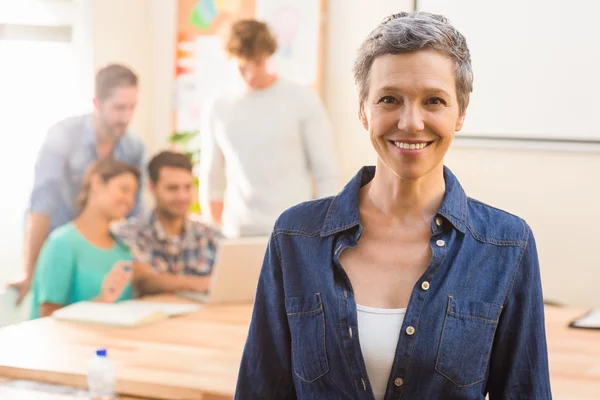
{"x": 173, "y": 251}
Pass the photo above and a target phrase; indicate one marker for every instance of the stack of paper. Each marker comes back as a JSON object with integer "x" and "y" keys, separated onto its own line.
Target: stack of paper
{"x": 589, "y": 321}
{"x": 129, "y": 313}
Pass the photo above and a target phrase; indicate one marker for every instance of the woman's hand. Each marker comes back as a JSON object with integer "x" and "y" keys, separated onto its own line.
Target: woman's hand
{"x": 115, "y": 281}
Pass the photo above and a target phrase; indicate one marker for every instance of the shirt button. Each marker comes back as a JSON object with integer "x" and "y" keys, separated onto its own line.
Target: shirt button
{"x": 350, "y": 331}
{"x": 345, "y": 293}
{"x": 438, "y": 221}
{"x": 440, "y": 243}
{"x": 398, "y": 382}
{"x": 425, "y": 285}
{"x": 410, "y": 331}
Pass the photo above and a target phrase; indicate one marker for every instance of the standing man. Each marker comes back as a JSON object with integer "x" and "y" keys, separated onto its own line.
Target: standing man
{"x": 173, "y": 250}
{"x": 70, "y": 147}
{"x": 264, "y": 147}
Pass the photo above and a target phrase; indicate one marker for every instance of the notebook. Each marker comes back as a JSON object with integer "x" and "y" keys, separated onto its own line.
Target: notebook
{"x": 130, "y": 313}
{"x": 591, "y": 320}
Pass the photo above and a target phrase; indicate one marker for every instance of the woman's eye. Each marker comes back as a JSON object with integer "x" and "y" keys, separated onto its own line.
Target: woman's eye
{"x": 387, "y": 100}
{"x": 436, "y": 101}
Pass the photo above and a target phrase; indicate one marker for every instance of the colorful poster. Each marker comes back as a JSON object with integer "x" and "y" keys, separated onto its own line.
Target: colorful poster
{"x": 204, "y": 14}
{"x": 296, "y": 23}
{"x": 209, "y": 17}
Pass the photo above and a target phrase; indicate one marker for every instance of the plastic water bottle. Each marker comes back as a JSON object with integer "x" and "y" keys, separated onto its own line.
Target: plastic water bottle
{"x": 101, "y": 377}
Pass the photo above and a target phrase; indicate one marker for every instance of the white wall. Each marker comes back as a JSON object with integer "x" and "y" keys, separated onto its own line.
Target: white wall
{"x": 556, "y": 192}
{"x": 165, "y": 17}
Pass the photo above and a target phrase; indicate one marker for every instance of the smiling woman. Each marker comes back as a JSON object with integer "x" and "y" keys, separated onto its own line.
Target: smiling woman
{"x": 454, "y": 283}
{"x": 411, "y": 111}
{"x": 81, "y": 260}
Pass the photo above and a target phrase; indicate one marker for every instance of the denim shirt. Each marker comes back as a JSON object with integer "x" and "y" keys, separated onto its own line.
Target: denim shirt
{"x": 474, "y": 323}
{"x": 66, "y": 154}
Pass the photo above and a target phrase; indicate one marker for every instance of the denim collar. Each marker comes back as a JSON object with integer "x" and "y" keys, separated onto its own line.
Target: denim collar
{"x": 343, "y": 213}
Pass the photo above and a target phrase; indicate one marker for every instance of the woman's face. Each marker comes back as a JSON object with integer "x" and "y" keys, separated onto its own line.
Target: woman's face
{"x": 411, "y": 111}
{"x": 116, "y": 197}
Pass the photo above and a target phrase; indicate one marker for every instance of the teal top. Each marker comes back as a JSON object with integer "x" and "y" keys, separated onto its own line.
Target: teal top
{"x": 71, "y": 269}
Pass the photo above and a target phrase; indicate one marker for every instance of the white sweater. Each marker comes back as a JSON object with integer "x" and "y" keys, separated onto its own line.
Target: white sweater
{"x": 261, "y": 151}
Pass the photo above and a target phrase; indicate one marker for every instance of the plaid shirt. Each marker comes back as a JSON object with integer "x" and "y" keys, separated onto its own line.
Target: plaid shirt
{"x": 192, "y": 253}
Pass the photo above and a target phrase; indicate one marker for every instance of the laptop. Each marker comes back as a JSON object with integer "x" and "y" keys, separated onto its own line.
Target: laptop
{"x": 235, "y": 273}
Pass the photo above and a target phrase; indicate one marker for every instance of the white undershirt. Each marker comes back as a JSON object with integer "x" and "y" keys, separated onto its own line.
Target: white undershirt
{"x": 378, "y": 332}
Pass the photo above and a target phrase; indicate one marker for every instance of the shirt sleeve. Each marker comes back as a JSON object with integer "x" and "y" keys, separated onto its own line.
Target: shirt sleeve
{"x": 318, "y": 140}
{"x": 265, "y": 371}
{"x": 212, "y": 162}
{"x": 519, "y": 363}
{"x": 138, "y": 208}
{"x": 130, "y": 233}
{"x": 54, "y": 272}
{"x": 49, "y": 174}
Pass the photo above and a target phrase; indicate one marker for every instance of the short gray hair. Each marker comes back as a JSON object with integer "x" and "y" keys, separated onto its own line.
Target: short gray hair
{"x": 410, "y": 32}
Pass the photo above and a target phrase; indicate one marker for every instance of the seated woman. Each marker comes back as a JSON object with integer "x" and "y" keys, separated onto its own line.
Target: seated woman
{"x": 81, "y": 260}
{"x": 401, "y": 286}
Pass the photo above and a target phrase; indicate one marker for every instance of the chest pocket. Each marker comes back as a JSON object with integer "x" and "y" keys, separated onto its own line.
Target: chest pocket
{"x": 306, "y": 318}
{"x": 466, "y": 341}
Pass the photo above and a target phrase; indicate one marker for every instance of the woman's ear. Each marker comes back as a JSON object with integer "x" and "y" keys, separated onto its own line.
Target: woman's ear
{"x": 362, "y": 116}
{"x": 461, "y": 118}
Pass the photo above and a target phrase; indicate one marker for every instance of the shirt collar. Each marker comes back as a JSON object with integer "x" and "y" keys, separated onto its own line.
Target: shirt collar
{"x": 343, "y": 212}
{"x": 160, "y": 231}
{"x": 89, "y": 135}
{"x": 454, "y": 206}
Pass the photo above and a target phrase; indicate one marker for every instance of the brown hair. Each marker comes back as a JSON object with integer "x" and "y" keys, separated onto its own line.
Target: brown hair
{"x": 168, "y": 159}
{"x": 249, "y": 39}
{"x": 106, "y": 169}
{"x": 111, "y": 77}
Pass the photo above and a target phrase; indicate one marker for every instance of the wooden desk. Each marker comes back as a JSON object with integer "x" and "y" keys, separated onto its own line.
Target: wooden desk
{"x": 574, "y": 356}
{"x": 190, "y": 357}
{"x": 197, "y": 356}
{"x": 8, "y": 393}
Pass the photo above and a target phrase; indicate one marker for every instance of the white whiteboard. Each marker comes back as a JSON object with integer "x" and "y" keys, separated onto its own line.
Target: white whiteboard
{"x": 536, "y": 65}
